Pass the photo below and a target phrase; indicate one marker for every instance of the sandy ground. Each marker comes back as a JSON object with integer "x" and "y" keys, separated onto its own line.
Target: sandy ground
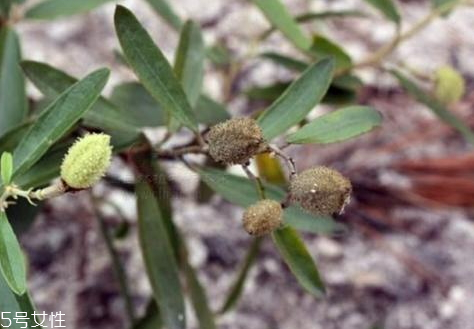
{"x": 417, "y": 274}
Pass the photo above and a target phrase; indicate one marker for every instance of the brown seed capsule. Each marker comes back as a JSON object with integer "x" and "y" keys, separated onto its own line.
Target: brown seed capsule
{"x": 321, "y": 191}
{"x": 263, "y": 217}
{"x": 235, "y": 141}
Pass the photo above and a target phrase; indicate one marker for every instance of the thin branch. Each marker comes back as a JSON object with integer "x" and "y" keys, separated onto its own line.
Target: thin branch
{"x": 288, "y": 160}
{"x": 257, "y": 180}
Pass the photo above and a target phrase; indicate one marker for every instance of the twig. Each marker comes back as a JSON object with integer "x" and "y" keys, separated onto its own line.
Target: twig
{"x": 257, "y": 180}
{"x": 289, "y": 160}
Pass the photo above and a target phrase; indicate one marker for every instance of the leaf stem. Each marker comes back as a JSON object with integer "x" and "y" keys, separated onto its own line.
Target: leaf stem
{"x": 256, "y": 179}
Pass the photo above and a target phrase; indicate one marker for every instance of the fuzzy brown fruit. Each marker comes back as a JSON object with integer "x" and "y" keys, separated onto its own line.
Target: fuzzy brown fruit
{"x": 263, "y": 217}
{"x": 235, "y": 141}
{"x": 321, "y": 190}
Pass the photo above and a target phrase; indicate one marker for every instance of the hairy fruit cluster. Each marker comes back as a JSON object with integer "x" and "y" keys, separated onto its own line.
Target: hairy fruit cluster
{"x": 263, "y": 217}
{"x": 86, "y": 161}
{"x": 321, "y": 190}
{"x": 235, "y": 141}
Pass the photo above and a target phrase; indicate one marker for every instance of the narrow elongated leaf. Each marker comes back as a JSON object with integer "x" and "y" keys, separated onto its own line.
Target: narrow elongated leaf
{"x": 12, "y": 260}
{"x": 296, "y": 256}
{"x": 57, "y": 119}
{"x": 438, "y": 109}
{"x": 151, "y": 319}
{"x": 11, "y": 138}
{"x": 152, "y": 68}
{"x": 281, "y": 19}
{"x": 286, "y": 61}
{"x": 6, "y": 167}
{"x": 10, "y": 304}
{"x": 163, "y": 8}
{"x": 387, "y": 8}
{"x": 159, "y": 258}
{"x": 50, "y": 9}
{"x": 199, "y": 299}
{"x": 441, "y": 3}
{"x": 13, "y": 103}
{"x": 189, "y": 62}
{"x": 238, "y": 286}
{"x": 337, "y": 126}
{"x": 104, "y": 115}
{"x": 144, "y": 110}
{"x": 323, "y": 47}
{"x": 210, "y": 112}
{"x": 242, "y": 191}
{"x": 298, "y": 100}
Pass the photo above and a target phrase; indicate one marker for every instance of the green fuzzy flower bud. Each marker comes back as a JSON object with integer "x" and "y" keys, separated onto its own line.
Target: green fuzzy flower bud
{"x": 235, "y": 141}
{"x": 263, "y": 217}
{"x": 86, "y": 161}
{"x": 449, "y": 85}
{"x": 321, "y": 191}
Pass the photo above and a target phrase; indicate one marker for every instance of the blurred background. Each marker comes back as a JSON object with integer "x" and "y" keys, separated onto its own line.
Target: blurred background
{"x": 405, "y": 260}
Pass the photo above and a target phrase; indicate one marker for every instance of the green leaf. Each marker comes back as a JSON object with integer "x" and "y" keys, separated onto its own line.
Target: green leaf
{"x": 189, "y": 62}
{"x": 12, "y": 260}
{"x": 143, "y": 109}
{"x": 242, "y": 191}
{"x": 210, "y": 112}
{"x": 159, "y": 258}
{"x": 281, "y": 19}
{"x": 323, "y": 47}
{"x": 13, "y": 102}
{"x": 151, "y": 319}
{"x": 152, "y": 68}
{"x": 104, "y": 115}
{"x": 437, "y": 108}
{"x": 11, "y": 304}
{"x": 57, "y": 119}
{"x": 163, "y": 8}
{"x": 268, "y": 93}
{"x": 442, "y": 3}
{"x": 6, "y": 167}
{"x": 199, "y": 299}
{"x": 294, "y": 252}
{"x": 11, "y": 138}
{"x": 286, "y": 61}
{"x": 238, "y": 286}
{"x": 337, "y": 126}
{"x": 298, "y": 100}
{"x": 50, "y": 9}
{"x": 387, "y": 8}
{"x": 218, "y": 54}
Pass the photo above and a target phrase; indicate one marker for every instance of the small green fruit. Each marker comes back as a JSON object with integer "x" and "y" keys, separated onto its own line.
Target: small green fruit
{"x": 235, "y": 141}
{"x": 321, "y": 191}
{"x": 263, "y": 217}
{"x": 86, "y": 161}
{"x": 449, "y": 85}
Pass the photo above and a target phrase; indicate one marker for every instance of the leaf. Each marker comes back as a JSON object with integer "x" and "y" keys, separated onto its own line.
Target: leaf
{"x": 242, "y": 191}
{"x": 323, "y": 47}
{"x": 218, "y": 54}
{"x": 52, "y": 82}
{"x": 441, "y": 3}
{"x": 269, "y": 92}
{"x": 151, "y": 319}
{"x": 281, "y": 19}
{"x": 296, "y": 256}
{"x": 437, "y": 108}
{"x": 189, "y": 62}
{"x": 159, "y": 259}
{"x": 163, "y": 8}
{"x": 286, "y": 61}
{"x": 12, "y": 260}
{"x": 57, "y": 119}
{"x": 199, "y": 298}
{"x": 152, "y": 68}
{"x": 337, "y": 126}
{"x": 11, "y": 303}
{"x": 12, "y": 137}
{"x": 269, "y": 168}
{"x": 297, "y": 100}
{"x": 238, "y": 286}
{"x": 13, "y": 102}
{"x": 146, "y": 110}
{"x": 50, "y": 9}
{"x": 210, "y": 112}
{"x": 387, "y": 8}
{"x": 6, "y": 167}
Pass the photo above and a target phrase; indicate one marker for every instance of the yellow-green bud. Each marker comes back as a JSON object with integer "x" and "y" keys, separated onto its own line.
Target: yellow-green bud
{"x": 86, "y": 161}
{"x": 235, "y": 141}
{"x": 263, "y": 217}
{"x": 449, "y": 85}
{"x": 321, "y": 190}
